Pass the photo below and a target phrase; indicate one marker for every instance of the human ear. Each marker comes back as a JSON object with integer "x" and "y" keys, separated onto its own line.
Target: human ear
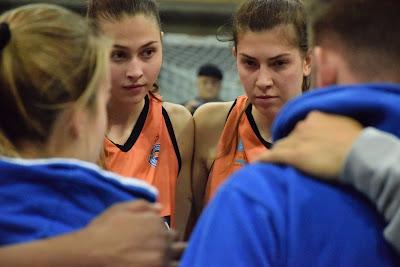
{"x": 326, "y": 71}
{"x": 307, "y": 64}
{"x": 234, "y": 52}
{"x": 76, "y": 120}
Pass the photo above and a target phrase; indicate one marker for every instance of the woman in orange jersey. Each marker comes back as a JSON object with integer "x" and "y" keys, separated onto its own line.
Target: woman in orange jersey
{"x": 146, "y": 138}
{"x": 273, "y": 62}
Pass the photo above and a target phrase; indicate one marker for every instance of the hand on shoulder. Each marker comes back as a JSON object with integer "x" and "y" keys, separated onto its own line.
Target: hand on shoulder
{"x": 319, "y": 145}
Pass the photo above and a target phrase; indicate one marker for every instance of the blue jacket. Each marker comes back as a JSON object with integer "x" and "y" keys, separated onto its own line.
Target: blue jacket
{"x": 44, "y": 198}
{"x": 274, "y": 215}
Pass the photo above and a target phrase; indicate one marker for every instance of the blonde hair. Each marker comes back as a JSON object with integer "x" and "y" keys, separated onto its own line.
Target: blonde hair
{"x": 53, "y": 60}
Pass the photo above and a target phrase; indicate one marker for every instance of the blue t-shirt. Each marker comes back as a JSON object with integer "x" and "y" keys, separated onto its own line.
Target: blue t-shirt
{"x": 45, "y": 198}
{"x": 274, "y": 215}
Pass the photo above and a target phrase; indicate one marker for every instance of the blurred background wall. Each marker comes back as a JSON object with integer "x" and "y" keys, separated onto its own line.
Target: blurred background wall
{"x": 190, "y": 28}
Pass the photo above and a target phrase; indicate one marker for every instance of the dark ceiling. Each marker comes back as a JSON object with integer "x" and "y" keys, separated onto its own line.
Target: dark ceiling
{"x": 178, "y": 16}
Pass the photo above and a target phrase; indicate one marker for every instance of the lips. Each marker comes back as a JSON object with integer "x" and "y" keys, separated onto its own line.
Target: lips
{"x": 266, "y": 101}
{"x": 133, "y": 86}
{"x": 266, "y": 97}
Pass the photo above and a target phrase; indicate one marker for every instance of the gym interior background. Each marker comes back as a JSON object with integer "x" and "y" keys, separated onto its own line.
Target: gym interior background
{"x": 190, "y": 40}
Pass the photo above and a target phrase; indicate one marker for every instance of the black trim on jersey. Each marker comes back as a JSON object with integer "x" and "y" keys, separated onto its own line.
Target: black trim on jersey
{"x": 255, "y": 128}
{"x": 137, "y": 129}
{"x": 233, "y": 105}
{"x": 227, "y": 116}
{"x": 167, "y": 220}
{"x": 173, "y": 138}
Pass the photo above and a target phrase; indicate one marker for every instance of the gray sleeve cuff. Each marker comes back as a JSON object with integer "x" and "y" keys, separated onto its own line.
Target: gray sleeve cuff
{"x": 366, "y": 152}
{"x": 373, "y": 168}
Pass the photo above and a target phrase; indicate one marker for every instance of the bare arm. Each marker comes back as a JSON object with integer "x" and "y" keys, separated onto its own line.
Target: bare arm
{"x": 209, "y": 122}
{"x": 182, "y": 122}
{"x": 60, "y": 251}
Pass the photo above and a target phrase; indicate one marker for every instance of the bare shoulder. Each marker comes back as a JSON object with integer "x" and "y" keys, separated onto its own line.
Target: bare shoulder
{"x": 211, "y": 117}
{"x": 178, "y": 114}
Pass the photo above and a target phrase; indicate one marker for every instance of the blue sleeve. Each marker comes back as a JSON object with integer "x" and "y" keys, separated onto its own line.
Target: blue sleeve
{"x": 234, "y": 230}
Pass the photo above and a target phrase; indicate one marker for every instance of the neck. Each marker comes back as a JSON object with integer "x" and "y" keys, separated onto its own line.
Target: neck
{"x": 51, "y": 149}
{"x": 31, "y": 151}
{"x": 264, "y": 123}
{"x": 123, "y": 114}
{"x": 121, "y": 120}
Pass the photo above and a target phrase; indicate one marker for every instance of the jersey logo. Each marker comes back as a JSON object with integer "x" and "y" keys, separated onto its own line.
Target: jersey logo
{"x": 240, "y": 147}
{"x": 240, "y": 155}
{"x": 154, "y": 154}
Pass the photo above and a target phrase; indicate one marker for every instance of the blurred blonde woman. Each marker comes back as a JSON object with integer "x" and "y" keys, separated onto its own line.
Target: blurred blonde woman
{"x": 55, "y": 83}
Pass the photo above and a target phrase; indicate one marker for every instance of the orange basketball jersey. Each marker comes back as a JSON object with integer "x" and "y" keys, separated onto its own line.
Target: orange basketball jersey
{"x": 247, "y": 144}
{"x": 151, "y": 153}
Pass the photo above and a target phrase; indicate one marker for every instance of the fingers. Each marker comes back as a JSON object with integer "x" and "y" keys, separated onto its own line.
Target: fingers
{"x": 283, "y": 151}
{"x": 282, "y": 155}
{"x": 174, "y": 249}
{"x": 173, "y": 264}
{"x": 177, "y": 249}
{"x": 174, "y": 253}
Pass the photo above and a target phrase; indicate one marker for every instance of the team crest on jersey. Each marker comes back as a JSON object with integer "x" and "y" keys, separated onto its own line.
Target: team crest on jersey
{"x": 154, "y": 154}
{"x": 240, "y": 147}
{"x": 240, "y": 155}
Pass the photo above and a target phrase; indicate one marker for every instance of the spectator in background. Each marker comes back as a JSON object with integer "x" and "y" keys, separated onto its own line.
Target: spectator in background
{"x": 209, "y": 80}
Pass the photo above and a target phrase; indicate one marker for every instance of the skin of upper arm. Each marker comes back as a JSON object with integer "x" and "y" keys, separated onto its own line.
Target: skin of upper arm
{"x": 63, "y": 250}
{"x": 182, "y": 122}
{"x": 209, "y": 120}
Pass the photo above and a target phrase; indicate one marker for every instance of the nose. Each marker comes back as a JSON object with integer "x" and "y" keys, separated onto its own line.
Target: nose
{"x": 134, "y": 69}
{"x": 264, "y": 78}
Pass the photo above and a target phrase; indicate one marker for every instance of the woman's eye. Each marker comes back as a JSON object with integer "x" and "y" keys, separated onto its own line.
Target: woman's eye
{"x": 280, "y": 63}
{"x": 249, "y": 63}
{"x": 147, "y": 53}
{"x": 118, "y": 55}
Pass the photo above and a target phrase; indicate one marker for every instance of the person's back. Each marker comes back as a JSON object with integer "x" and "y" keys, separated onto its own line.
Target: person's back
{"x": 270, "y": 215}
{"x": 53, "y": 118}
{"x": 277, "y": 216}
{"x": 290, "y": 220}
{"x": 57, "y": 208}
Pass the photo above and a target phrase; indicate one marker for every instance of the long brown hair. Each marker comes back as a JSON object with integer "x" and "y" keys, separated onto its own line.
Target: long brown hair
{"x": 115, "y": 10}
{"x": 51, "y": 60}
{"x": 261, "y": 15}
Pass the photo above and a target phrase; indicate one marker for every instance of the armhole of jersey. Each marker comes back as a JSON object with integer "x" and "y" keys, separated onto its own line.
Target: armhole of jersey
{"x": 227, "y": 116}
{"x": 137, "y": 129}
{"x": 255, "y": 129}
{"x": 173, "y": 138}
{"x": 230, "y": 110}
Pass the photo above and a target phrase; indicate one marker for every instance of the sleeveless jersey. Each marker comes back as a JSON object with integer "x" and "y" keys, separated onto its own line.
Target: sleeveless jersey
{"x": 249, "y": 144}
{"x": 151, "y": 153}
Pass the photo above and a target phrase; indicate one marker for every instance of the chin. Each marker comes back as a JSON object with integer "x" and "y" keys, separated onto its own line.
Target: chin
{"x": 269, "y": 112}
{"x": 135, "y": 99}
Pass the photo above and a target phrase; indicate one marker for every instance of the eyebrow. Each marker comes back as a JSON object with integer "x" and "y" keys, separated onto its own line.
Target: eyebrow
{"x": 269, "y": 59}
{"x": 120, "y": 47}
{"x": 126, "y": 48}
